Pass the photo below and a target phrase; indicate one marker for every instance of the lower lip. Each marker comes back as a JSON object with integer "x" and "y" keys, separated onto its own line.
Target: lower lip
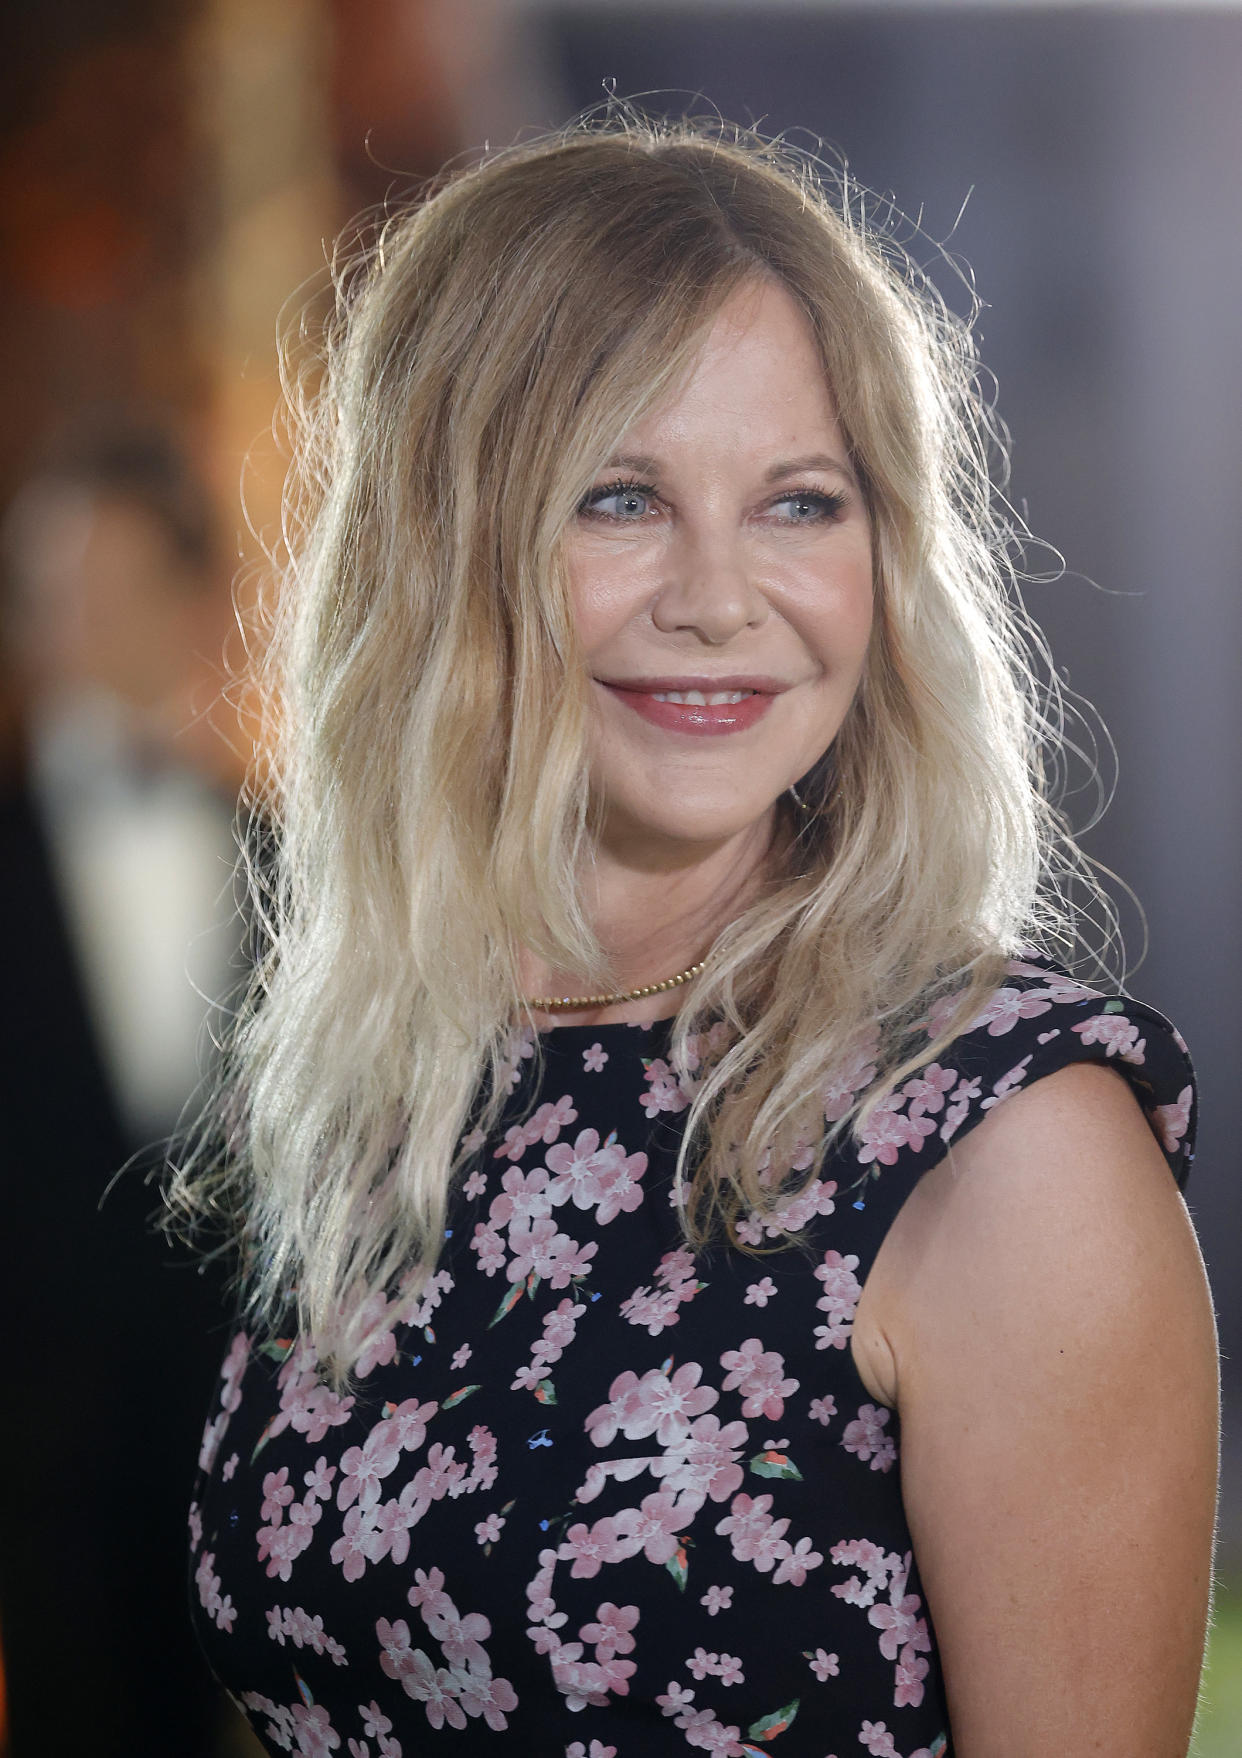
{"x": 693, "y": 717}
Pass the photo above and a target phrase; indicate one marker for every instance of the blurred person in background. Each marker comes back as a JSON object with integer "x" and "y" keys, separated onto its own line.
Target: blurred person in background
{"x": 708, "y": 1285}
{"x": 115, "y": 862}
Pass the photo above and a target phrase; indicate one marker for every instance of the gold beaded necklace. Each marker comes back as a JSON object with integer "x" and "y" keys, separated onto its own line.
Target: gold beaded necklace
{"x": 574, "y": 1003}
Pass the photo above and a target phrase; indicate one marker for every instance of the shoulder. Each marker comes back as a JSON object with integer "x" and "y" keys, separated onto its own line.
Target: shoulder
{"x": 1061, "y": 1111}
{"x": 1038, "y": 1021}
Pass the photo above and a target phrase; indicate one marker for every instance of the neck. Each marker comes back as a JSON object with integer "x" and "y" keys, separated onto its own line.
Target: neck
{"x": 655, "y": 917}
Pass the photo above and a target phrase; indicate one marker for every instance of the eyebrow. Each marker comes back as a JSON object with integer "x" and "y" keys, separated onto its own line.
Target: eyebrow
{"x": 642, "y": 465}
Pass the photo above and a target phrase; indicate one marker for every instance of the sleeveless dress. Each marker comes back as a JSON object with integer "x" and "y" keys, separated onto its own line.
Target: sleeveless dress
{"x": 589, "y": 1494}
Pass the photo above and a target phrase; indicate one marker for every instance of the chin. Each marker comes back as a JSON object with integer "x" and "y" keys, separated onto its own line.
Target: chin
{"x": 692, "y": 825}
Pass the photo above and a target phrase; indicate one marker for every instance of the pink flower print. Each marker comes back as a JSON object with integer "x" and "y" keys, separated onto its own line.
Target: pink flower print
{"x": 757, "y": 1374}
{"x": 436, "y": 1689}
{"x": 666, "y": 1406}
{"x": 704, "y": 1462}
{"x": 1047, "y": 1037}
{"x": 857, "y": 1072}
{"x": 542, "y": 1251}
{"x": 900, "y": 1624}
{"x": 428, "y": 1593}
{"x": 316, "y": 1736}
{"x": 220, "y": 1610}
{"x": 407, "y": 1423}
{"x": 213, "y": 1434}
{"x": 963, "y": 1097}
{"x": 374, "y": 1721}
{"x": 877, "y": 1565}
{"x": 676, "y": 1701}
{"x": 759, "y": 1293}
{"x": 607, "y": 1541}
{"x": 580, "y": 1169}
{"x": 594, "y": 1058}
{"x": 730, "y": 1671}
{"x": 483, "y": 1695}
{"x": 364, "y": 1467}
{"x": 228, "y": 1468}
{"x": 475, "y": 1185}
{"x": 824, "y": 1666}
{"x": 610, "y": 1632}
{"x": 795, "y": 1565}
{"x": 514, "y": 1144}
{"x": 1007, "y": 1006}
{"x": 877, "y": 1739}
{"x": 490, "y": 1247}
{"x": 1118, "y": 1034}
{"x": 381, "y": 1344}
{"x": 817, "y": 1199}
{"x": 702, "y": 1665}
{"x": 621, "y": 1189}
{"x": 559, "y": 1327}
{"x": 752, "y": 1531}
{"x": 461, "y": 1356}
{"x": 885, "y": 1133}
{"x": 523, "y": 1198}
{"x": 1172, "y": 1121}
{"x": 576, "y": 1749}
{"x": 488, "y": 1531}
{"x": 549, "y": 1120}
{"x": 396, "y": 1657}
{"x": 653, "y": 1312}
{"x": 927, "y": 1091}
{"x": 195, "y": 1521}
{"x": 823, "y": 1409}
{"x": 278, "y": 1492}
{"x": 717, "y": 1599}
{"x": 353, "y": 1550}
{"x": 911, "y": 1671}
{"x": 461, "y": 1637}
{"x": 232, "y": 1371}
{"x": 470, "y": 1144}
{"x": 653, "y": 1526}
{"x": 390, "y": 1525}
{"x": 1007, "y": 1084}
{"x": 420, "y": 1296}
{"x": 438, "y": 1478}
{"x": 840, "y": 1298}
{"x": 866, "y": 1438}
{"x": 665, "y": 1092}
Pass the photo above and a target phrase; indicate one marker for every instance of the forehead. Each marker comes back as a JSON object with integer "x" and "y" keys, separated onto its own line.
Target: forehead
{"x": 756, "y": 383}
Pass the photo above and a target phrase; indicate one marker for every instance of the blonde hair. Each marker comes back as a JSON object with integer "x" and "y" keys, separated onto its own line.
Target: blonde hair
{"x": 429, "y": 792}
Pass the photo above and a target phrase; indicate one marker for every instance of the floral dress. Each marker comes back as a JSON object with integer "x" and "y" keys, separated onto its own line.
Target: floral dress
{"x": 590, "y": 1494}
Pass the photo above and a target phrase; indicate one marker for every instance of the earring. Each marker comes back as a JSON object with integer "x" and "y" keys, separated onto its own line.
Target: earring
{"x": 798, "y": 801}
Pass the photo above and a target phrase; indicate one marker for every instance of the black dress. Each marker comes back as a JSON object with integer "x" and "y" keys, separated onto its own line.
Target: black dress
{"x": 592, "y": 1496}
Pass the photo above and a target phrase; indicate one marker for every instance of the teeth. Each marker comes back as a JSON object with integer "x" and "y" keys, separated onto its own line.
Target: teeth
{"x": 700, "y": 699}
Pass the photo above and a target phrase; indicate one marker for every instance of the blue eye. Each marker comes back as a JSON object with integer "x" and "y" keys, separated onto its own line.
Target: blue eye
{"x": 812, "y": 505}
{"x": 627, "y": 502}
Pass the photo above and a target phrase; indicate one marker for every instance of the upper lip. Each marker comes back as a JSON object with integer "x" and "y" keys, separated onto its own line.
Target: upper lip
{"x": 764, "y": 686}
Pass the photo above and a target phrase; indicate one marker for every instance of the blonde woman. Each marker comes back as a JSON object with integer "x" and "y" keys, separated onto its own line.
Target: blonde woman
{"x": 716, "y": 1282}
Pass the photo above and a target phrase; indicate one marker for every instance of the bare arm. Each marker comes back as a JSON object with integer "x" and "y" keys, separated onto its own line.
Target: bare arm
{"x": 1040, "y": 1315}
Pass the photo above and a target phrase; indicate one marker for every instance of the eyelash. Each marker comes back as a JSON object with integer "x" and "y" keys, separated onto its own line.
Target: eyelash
{"x": 831, "y": 504}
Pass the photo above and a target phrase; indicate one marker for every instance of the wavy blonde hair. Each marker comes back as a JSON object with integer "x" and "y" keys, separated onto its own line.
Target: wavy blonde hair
{"x": 429, "y": 791}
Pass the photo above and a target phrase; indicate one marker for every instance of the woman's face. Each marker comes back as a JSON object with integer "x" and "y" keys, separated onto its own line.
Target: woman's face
{"x": 720, "y": 571}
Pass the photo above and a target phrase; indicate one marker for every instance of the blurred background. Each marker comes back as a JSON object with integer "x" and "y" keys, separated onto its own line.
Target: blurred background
{"x": 171, "y": 175}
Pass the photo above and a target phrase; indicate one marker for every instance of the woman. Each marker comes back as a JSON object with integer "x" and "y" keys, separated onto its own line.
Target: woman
{"x": 709, "y": 1285}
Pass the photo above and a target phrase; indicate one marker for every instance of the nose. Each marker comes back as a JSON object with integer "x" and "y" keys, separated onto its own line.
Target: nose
{"x": 707, "y": 588}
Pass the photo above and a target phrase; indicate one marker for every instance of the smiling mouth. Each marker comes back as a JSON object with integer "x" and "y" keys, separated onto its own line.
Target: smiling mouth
{"x": 684, "y": 706}
{"x": 701, "y": 699}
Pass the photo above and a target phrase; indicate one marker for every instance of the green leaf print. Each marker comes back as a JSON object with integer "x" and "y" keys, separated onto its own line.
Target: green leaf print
{"x": 507, "y": 1305}
{"x": 678, "y": 1567}
{"x": 458, "y": 1397}
{"x": 770, "y": 1463}
{"x": 768, "y": 1726}
{"x": 545, "y": 1391}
